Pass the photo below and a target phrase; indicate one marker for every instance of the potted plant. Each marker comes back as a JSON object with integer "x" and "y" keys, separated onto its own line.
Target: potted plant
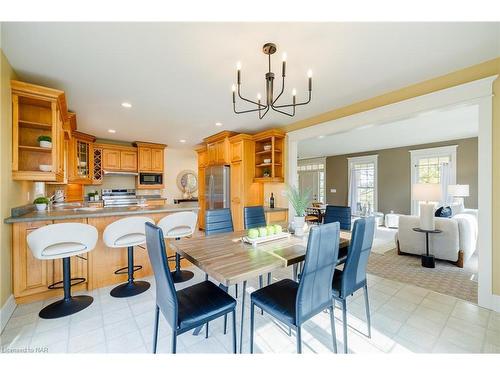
{"x": 45, "y": 141}
{"x": 41, "y": 203}
{"x": 91, "y": 196}
{"x": 267, "y": 172}
{"x": 300, "y": 200}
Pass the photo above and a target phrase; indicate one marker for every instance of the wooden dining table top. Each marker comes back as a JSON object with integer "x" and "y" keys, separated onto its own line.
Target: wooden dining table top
{"x": 229, "y": 260}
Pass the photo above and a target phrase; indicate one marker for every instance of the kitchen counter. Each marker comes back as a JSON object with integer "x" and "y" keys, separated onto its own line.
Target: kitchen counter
{"x": 89, "y": 212}
{"x": 275, "y": 209}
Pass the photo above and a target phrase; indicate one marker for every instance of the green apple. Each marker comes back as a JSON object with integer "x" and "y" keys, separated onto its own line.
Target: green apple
{"x": 262, "y": 232}
{"x": 253, "y": 233}
{"x": 277, "y": 229}
{"x": 270, "y": 230}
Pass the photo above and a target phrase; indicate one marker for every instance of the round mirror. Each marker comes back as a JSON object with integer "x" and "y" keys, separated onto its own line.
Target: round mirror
{"x": 187, "y": 182}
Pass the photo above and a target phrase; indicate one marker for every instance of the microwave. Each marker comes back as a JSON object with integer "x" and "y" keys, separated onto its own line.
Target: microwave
{"x": 150, "y": 178}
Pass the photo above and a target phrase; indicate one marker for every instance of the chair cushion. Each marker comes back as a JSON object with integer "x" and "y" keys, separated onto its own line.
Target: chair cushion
{"x": 131, "y": 239}
{"x": 337, "y": 283}
{"x": 64, "y": 249}
{"x": 177, "y": 232}
{"x": 202, "y": 301}
{"x": 278, "y": 299}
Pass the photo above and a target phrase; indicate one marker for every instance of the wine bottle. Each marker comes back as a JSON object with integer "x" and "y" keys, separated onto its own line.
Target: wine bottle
{"x": 271, "y": 201}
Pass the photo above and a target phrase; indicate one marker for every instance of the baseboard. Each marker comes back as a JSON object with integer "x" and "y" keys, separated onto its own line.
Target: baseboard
{"x": 6, "y": 311}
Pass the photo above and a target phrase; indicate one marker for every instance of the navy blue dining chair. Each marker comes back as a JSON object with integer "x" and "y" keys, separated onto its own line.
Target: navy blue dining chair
{"x": 338, "y": 213}
{"x": 353, "y": 276}
{"x": 187, "y": 308}
{"x": 218, "y": 221}
{"x": 254, "y": 217}
{"x": 293, "y": 303}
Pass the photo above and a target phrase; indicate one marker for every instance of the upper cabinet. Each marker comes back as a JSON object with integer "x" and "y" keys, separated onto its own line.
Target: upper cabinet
{"x": 151, "y": 156}
{"x": 117, "y": 158}
{"x": 38, "y": 118}
{"x": 269, "y": 156}
{"x": 218, "y": 148}
{"x": 81, "y": 158}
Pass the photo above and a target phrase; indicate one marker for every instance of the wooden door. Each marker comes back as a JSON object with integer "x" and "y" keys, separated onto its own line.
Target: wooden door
{"x": 110, "y": 159}
{"x": 237, "y": 195}
{"x": 157, "y": 160}
{"x": 236, "y": 151}
{"x": 310, "y": 180}
{"x": 30, "y": 276}
{"x": 212, "y": 153}
{"x": 128, "y": 161}
{"x": 221, "y": 152}
{"x": 202, "y": 158}
{"x": 144, "y": 159}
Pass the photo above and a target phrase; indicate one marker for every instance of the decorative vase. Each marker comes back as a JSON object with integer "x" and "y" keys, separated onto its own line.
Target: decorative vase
{"x": 298, "y": 225}
{"x": 41, "y": 206}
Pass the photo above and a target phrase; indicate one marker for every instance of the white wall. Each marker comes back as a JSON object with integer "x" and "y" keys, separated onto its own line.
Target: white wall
{"x": 177, "y": 160}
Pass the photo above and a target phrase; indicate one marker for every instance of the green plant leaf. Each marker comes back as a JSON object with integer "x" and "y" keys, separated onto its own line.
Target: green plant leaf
{"x": 299, "y": 200}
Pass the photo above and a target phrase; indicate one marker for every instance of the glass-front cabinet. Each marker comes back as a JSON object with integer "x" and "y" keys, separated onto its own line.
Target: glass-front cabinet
{"x": 81, "y": 158}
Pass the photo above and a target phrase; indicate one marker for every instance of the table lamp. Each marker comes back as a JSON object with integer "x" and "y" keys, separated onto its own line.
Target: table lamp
{"x": 458, "y": 192}
{"x": 427, "y": 194}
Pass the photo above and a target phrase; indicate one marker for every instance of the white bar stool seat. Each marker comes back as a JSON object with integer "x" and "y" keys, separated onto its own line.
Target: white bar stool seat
{"x": 62, "y": 241}
{"x": 176, "y": 226}
{"x": 127, "y": 232}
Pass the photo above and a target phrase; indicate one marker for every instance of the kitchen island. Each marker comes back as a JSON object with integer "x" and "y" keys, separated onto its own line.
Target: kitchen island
{"x": 31, "y": 277}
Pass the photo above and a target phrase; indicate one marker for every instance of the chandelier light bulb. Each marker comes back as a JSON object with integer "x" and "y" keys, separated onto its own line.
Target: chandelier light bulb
{"x": 309, "y": 73}
{"x": 233, "y": 87}
{"x": 259, "y": 96}
{"x": 294, "y": 92}
{"x": 238, "y": 65}
{"x": 284, "y": 56}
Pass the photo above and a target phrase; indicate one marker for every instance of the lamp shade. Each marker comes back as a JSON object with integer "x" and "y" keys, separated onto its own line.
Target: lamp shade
{"x": 427, "y": 192}
{"x": 458, "y": 190}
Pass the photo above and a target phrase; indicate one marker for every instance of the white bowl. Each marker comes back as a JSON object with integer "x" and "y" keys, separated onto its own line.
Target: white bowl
{"x": 45, "y": 144}
{"x": 267, "y": 161}
{"x": 267, "y": 147}
{"x": 82, "y": 163}
{"x": 45, "y": 167}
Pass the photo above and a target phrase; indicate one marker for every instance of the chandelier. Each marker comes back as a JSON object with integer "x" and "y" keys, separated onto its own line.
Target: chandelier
{"x": 270, "y": 101}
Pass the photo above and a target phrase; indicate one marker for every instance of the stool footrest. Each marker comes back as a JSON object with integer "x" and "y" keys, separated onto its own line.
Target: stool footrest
{"x": 124, "y": 270}
{"x": 74, "y": 281}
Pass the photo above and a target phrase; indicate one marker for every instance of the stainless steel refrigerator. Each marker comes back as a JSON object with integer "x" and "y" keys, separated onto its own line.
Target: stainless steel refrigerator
{"x": 217, "y": 193}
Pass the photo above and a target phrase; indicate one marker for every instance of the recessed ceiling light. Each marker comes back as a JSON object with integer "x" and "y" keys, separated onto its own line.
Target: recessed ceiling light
{"x": 182, "y": 140}
{"x": 321, "y": 136}
{"x": 218, "y": 124}
{"x": 111, "y": 131}
{"x": 126, "y": 105}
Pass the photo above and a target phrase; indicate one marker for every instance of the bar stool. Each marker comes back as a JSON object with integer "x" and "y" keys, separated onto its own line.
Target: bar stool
{"x": 127, "y": 232}
{"x": 62, "y": 241}
{"x": 177, "y": 226}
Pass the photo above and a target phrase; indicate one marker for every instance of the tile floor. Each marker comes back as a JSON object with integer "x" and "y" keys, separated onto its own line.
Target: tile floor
{"x": 405, "y": 319}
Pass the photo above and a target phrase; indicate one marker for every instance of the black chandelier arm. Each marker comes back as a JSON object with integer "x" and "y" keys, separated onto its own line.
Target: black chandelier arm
{"x": 262, "y": 106}
{"x": 296, "y": 104}
{"x": 245, "y": 111}
{"x": 281, "y": 92}
{"x": 283, "y": 112}
{"x": 261, "y": 116}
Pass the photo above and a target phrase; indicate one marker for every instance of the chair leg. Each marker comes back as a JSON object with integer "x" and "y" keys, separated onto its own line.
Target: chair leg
{"x": 155, "y": 329}
{"x": 367, "y": 307}
{"x": 252, "y": 312}
{"x": 269, "y": 278}
{"x": 261, "y": 285}
{"x": 242, "y": 313}
{"x": 334, "y": 333}
{"x": 236, "y": 290}
{"x": 299, "y": 340}
{"x": 206, "y": 330}
{"x": 225, "y": 324}
{"x": 344, "y": 322}
{"x": 174, "y": 342}
{"x": 234, "y": 331}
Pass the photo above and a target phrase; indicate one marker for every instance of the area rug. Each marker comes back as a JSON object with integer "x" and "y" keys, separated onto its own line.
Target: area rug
{"x": 446, "y": 278}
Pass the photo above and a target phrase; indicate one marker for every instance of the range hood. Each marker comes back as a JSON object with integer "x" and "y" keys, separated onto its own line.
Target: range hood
{"x": 120, "y": 173}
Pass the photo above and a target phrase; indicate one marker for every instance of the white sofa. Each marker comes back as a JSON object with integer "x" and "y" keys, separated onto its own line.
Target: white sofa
{"x": 457, "y": 243}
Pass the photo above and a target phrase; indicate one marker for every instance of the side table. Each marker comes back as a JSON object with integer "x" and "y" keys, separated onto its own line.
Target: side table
{"x": 428, "y": 260}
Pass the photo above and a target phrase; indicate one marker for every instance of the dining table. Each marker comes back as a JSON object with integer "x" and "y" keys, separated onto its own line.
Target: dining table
{"x": 230, "y": 260}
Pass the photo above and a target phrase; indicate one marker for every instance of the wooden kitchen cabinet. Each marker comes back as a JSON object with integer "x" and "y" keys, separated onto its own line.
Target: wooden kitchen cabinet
{"x": 202, "y": 164}
{"x": 218, "y": 148}
{"x": 144, "y": 154}
{"x": 151, "y": 156}
{"x": 128, "y": 161}
{"x": 37, "y": 111}
{"x": 80, "y": 158}
{"x": 110, "y": 159}
{"x": 157, "y": 160}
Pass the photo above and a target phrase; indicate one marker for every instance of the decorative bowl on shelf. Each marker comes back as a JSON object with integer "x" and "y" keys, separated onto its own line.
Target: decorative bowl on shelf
{"x": 45, "y": 167}
{"x": 82, "y": 163}
{"x": 45, "y": 144}
{"x": 267, "y": 161}
{"x": 267, "y": 147}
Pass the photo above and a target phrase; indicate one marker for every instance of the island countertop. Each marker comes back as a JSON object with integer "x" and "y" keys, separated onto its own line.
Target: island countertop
{"x": 89, "y": 212}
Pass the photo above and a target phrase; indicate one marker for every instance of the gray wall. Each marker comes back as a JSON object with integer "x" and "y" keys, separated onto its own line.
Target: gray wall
{"x": 394, "y": 175}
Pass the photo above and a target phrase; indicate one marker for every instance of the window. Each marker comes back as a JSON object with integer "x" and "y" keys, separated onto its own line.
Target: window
{"x": 426, "y": 167}
{"x": 363, "y": 183}
{"x": 312, "y": 175}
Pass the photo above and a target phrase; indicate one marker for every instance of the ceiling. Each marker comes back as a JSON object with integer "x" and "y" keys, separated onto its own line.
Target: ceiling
{"x": 428, "y": 127}
{"x": 178, "y": 76}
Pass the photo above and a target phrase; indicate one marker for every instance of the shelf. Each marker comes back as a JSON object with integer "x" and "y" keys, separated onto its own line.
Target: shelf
{"x": 34, "y": 125}
{"x": 268, "y": 165}
{"x": 269, "y": 179}
{"x": 35, "y": 149}
{"x": 266, "y": 152}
